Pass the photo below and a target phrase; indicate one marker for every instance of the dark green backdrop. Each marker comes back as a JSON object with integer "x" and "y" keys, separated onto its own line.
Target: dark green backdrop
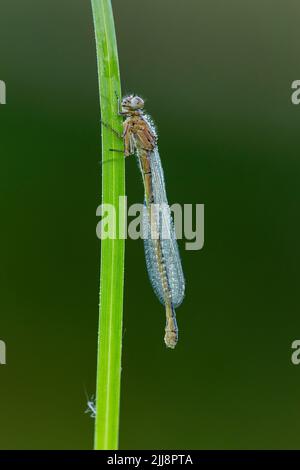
{"x": 217, "y": 77}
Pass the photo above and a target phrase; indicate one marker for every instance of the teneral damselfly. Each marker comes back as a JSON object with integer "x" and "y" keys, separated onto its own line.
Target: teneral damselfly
{"x": 161, "y": 250}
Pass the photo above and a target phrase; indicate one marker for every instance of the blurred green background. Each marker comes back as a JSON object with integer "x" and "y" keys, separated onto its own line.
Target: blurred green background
{"x": 217, "y": 78}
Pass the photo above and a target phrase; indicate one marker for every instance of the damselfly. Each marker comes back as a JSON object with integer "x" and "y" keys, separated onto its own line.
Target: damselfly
{"x": 161, "y": 250}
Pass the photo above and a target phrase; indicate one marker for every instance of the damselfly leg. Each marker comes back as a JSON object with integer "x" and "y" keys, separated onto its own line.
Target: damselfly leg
{"x": 108, "y": 126}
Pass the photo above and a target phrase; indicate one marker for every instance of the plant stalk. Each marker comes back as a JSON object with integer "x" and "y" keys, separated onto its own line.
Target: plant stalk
{"x": 112, "y": 248}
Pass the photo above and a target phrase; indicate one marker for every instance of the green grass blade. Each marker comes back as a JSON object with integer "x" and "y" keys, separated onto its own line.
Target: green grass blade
{"x": 112, "y": 250}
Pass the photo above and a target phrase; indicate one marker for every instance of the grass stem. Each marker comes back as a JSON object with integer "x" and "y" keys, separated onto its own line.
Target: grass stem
{"x": 112, "y": 250}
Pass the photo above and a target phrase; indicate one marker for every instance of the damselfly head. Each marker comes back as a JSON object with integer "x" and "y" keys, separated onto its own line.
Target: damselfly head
{"x": 132, "y": 103}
